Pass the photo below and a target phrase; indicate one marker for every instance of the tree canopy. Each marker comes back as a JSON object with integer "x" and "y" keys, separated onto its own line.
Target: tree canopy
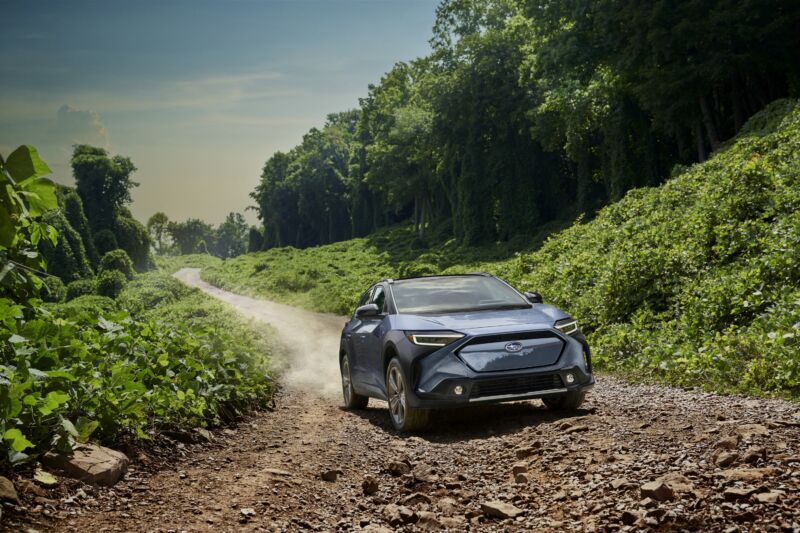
{"x": 531, "y": 111}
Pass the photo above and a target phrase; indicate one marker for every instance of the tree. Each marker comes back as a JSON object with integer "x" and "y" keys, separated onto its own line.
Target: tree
{"x": 104, "y": 183}
{"x": 231, "y": 237}
{"x": 157, "y": 227}
{"x": 73, "y": 210}
{"x": 191, "y": 235}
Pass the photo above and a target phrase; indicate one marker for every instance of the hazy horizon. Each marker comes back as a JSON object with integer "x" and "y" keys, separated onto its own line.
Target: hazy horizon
{"x": 198, "y": 94}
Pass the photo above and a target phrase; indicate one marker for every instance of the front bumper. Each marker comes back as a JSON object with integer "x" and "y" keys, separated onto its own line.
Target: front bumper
{"x": 438, "y": 376}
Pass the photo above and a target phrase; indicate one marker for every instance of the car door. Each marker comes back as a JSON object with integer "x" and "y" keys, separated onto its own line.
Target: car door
{"x": 373, "y": 339}
{"x": 356, "y": 337}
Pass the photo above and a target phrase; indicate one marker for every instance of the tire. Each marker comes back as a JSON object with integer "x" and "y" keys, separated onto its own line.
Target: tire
{"x": 569, "y": 401}
{"x": 404, "y": 417}
{"x": 352, "y": 400}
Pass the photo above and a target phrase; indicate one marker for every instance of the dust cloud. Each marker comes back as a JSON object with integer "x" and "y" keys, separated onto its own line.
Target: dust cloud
{"x": 308, "y": 342}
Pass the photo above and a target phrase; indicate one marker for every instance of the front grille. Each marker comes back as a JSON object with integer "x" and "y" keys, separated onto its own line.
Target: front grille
{"x": 516, "y": 385}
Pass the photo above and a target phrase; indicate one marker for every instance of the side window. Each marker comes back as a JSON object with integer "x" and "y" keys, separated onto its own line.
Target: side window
{"x": 364, "y": 298}
{"x": 379, "y": 297}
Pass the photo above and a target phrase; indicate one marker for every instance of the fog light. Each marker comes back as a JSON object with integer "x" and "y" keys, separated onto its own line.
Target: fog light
{"x": 570, "y": 379}
{"x": 458, "y": 389}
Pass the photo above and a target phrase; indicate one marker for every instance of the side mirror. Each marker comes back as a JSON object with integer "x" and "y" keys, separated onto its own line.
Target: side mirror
{"x": 534, "y": 297}
{"x": 367, "y": 310}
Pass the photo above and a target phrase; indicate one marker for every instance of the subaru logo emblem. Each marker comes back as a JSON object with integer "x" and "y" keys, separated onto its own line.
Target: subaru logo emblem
{"x": 513, "y": 347}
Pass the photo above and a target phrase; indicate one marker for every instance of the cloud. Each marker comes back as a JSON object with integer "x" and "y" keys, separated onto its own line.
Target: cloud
{"x": 79, "y": 126}
{"x": 70, "y": 126}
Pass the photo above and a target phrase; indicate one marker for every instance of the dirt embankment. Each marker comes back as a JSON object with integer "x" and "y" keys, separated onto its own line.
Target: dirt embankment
{"x": 636, "y": 457}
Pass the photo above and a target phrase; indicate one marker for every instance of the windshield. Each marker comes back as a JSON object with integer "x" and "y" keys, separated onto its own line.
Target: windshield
{"x": 455, "y": 294}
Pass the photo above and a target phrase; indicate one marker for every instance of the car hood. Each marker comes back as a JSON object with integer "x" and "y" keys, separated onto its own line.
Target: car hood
{"x": 538, "y": 315}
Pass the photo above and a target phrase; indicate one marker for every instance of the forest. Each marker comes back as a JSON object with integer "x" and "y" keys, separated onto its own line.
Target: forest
{"x": 525, "y": 113}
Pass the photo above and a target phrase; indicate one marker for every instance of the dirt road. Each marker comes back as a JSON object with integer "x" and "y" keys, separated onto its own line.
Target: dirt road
{"x": 636, "y": 457}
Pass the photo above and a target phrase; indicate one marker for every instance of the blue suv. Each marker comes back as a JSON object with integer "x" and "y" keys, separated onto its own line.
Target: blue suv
{"x": 451, "y": 341}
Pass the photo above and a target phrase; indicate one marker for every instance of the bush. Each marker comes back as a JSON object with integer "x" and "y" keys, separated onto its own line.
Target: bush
{"x": 53, "y": 289}
{"x": 105, "y": 241}
{"x": 117, "y": 260}
{"x": 81, "y": 287}
{"x": 111, "y": 283}
{"x": 135, "y": 240}
{"x": 73, "y": 210}
{"x": 67, "y": 259}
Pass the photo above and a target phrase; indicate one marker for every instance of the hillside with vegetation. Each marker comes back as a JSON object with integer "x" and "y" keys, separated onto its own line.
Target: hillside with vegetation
{"x": 694, "y": 282}
{"x": 116, "y": 357}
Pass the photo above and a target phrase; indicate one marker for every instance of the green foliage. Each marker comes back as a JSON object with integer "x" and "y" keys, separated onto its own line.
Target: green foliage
{"x": 157, "y": 226}
{"x": 695, "y": 282}
{"x": 73, "y": 211}
{"x": 25, "y": 195}
{"x": 81, "y": 287}
{"x": 110, "y": 283}
{"x": 527, "y": 112}
{"x": 104, "y": 184}
{"x": 230, "y": 238}
{"x": 135, "y": 240}
{"x": 53, "y": 289}
{"x": 67, "y": 259}
{"x": 105, "y": 241}
{"x": 190, "y": 235}
{"x": 117, "y": 260}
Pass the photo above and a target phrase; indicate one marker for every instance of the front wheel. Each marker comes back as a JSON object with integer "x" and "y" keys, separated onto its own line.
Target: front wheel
{"x": 352, "y": 400}
{"x": 404, "y": 417}
{"x": 568, "y": 401}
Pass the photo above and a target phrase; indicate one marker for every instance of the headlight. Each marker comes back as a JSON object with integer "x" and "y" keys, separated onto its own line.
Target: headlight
{"x": 567, "y": 326}
{"x": 433, "y": 338}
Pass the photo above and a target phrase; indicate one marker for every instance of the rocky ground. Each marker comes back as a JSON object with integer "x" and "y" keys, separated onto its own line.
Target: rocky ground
{"x": 634, "y": 458}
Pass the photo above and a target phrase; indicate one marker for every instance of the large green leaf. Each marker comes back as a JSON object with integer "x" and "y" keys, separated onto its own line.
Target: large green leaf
{"x": 16, "y": 440}
{"x": 25, "y": 163}
{"x": 39, "y": 195}
{"x": 52, "y": 401}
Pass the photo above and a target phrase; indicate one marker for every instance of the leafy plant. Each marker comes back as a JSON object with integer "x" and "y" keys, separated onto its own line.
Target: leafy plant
{"x": 110, "y": 283}
{"x": 117, "y": 260}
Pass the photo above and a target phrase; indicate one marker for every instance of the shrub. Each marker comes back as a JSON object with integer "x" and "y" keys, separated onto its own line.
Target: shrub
{"x": 117, "y": 260}
{"x": 105, "y": 241}
{"x": 53, "y": 289}
{"x": 73, "y": 210}
{"x": 110, "y": 283}
{"x": 135, "y": 240}
{"x": 67, "y": 259}
{"x": 81, "y": 287}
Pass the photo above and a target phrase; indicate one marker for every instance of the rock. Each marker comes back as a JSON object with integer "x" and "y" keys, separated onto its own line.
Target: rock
{"x": 768, "y": 497}
{"x": 417, "y": 497}
{"x": 375, "y": 528}
{"x": 397, "y": 515}
{"x": 677, "y": 482}
{"x": 29, "y": 487}
{"x": 277, "y": 472}
{"x": 726, "y": 459}
{"x": 203, "y": 434}
{"x": 370, "y": 485}
{"x": 7, "y": 491}
{"x": 747, "y": 516}
{"x": 521, "y": 479}
{"x": 519, "y": 468}
{"x": 754, "y": 453}
{"x": 448, "y": 506}
{"x": 738, "y": 493}
{"x": 751, "y": 430}
{"x": 657, "y": 490}
{"x": 424, "y": 473}
{"x": 630, "y": 517}
{"x": 499, "y": 509}
{"x": 90, "y": 463}
{"x": 454, "y": 523}
{"x": 245, "y": 514}
{"x": 576, "y": 429}
{"x": 748, "y": 474}
{"x": 560, "y": 496}
{"x": 619, "y": 482}
{"x": 427, "y": 521}
{"x": 44, "y": 478}
{"x": 398, "y": 468}
{"x": 523, "y": 453}
{"x": 330, "y": 475}
{"x": 728, "y": 443}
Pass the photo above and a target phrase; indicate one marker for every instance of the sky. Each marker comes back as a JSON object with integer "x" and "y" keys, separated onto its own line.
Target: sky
{"x": 198, "y": 93}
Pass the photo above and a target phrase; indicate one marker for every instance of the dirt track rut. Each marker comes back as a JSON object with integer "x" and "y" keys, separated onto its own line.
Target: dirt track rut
{"x": 726, "y": 463}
